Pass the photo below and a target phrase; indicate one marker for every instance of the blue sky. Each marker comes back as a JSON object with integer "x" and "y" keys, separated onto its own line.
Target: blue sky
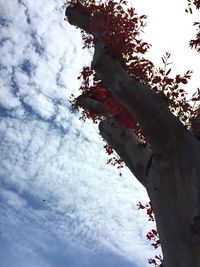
{"x": 60, "y": 204}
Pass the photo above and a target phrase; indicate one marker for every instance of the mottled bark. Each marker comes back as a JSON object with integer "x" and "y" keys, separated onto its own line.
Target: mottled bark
{"x": 170, "y": 170}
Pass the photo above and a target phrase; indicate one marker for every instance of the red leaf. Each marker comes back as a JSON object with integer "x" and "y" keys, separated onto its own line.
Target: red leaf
{"x": 168, "y": 72}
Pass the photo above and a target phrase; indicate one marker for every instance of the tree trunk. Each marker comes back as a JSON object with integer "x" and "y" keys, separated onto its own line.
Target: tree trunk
{"x": 169, "y": 183}
{"x": 170, "y": 170}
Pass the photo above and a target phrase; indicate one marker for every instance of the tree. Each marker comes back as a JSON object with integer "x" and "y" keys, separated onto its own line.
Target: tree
{"x": 145, "y": 117}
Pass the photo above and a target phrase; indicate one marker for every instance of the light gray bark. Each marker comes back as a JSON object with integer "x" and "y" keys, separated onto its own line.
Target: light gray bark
{"x": 134, "y": 153}
{"x": 170, "y": 170}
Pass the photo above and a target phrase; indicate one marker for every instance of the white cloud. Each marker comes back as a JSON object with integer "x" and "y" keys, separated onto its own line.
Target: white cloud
{"x": 7, "y": 99}
{"x": 13, "y": 199}
{"x": 56, "y": 183}
{"x": 60, "y": 169}
{"x": 41, "y": 105}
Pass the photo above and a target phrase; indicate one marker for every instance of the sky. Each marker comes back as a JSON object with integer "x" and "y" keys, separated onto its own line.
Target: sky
{"x": 60, "y": 203}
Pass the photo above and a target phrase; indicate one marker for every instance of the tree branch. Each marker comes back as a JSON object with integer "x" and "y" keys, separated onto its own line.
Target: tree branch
{"x": 160, "y": 127}
{"x": 90, "y": 105}
{"x": 77, "y": 17}
{"x": 134, "y": 153}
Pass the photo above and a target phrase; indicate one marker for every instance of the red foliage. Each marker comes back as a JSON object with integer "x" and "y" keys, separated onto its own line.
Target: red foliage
{"x": 152, "y": 235}
{"x": 195, "y": 43}
{"x": 197, "y": 3}
{"x": 149, "y": 210}
{"x": 155, "y": 261}
{"x": 120, "y": 31}
{"x": 108, "y": 149}
{"x": 140, "y": 206}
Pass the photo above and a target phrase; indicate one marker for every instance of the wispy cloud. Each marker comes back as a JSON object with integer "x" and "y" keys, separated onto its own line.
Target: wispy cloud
{"x": 60, "y": 203}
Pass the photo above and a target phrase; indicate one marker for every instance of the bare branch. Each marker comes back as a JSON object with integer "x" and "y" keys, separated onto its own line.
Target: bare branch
{"x": 77, "y": 17}
{"x": 90, "y": 105}
{"x": 134, "y": 153}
